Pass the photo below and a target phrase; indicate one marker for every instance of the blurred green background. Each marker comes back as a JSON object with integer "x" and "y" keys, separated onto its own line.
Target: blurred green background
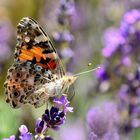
{"x": 91, "y": 18}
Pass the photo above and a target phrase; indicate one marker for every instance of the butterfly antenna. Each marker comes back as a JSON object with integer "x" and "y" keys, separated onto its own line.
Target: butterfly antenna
{"x": 84, "y": 72}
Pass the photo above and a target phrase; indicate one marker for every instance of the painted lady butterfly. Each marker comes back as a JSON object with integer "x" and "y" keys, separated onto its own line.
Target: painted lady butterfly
{"x": 37, "y": 72}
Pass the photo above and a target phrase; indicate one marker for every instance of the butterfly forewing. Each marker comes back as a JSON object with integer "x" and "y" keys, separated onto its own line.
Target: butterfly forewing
{"x": 34, "y": 45}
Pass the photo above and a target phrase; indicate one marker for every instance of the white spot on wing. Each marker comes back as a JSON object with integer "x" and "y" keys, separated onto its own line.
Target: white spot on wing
{"x": 40, "y": 38}
{"x": 27, "y": 39}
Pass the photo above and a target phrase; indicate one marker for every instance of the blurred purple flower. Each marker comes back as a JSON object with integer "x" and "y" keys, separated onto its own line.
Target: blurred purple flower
{"x": 67, "y": 9}
{"x": 67, "y": 53}
{"x": 103, "y": 120}
{"x": 123, "y": 93}
{"x": 73, "y": 131}
{"x": 111, "y": 135}
{"x": 113, "y": 40}
{"x": 5, "y": 53}
{"x": 102, "y": 74}
{"x": 92, "y": 136}
{"x": 23, "y": 129}
{"x": 24, "y": 134}
{"x": 131, "y": 16}
{"x": 128, "y": 21}
{"x": 129, "y": 28}
{"x": 124, "y": 43}
{"x": 5, "y": 30}
{"x": 11, "y": 138}
{"x": 53, "y": 118}
{"x": 64, "y": 36}
{"x": 126, "y": 61}
{"x": 129, "y": 100}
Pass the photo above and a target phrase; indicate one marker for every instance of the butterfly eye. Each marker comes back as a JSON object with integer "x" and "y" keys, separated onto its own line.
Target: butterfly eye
{"x": 16, "y": 94}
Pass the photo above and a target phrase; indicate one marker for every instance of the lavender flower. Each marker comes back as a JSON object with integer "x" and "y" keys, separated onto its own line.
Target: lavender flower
{"x": 64, "y": 36}
{"x": 67, "y": 8}
{"x": 129, "y": 97}
{"x": 66, "y": 53}
{"x": 40, "y": 127}
{"x": 113, "y": 40}
{"x": 129, "y": 28}
{"x": 5, "y": 30}
{"x": 122, "y": 69}
{"x": 123, "y": 43}
{"x": 65, "y": 11}
{"x": 128, "y": 21}
{"x": 64, "y": 103}
{"x": 11, "y": 138}
{"x": 53, "y": 118}
{"x": 103, "y": 121}
{"x": 73, "y": 131}
{"x": 24, "y": 134}
{"x": 102, "y": 74}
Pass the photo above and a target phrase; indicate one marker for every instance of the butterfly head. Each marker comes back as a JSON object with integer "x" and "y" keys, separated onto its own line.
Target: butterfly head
{"x": 65, "y": 82}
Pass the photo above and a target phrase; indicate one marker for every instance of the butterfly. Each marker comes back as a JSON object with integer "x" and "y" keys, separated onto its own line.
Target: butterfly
{"x": 37, "y": 72}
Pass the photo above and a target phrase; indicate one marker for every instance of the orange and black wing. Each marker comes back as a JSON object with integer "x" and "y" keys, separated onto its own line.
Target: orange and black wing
{"x": 34, "y": 45}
